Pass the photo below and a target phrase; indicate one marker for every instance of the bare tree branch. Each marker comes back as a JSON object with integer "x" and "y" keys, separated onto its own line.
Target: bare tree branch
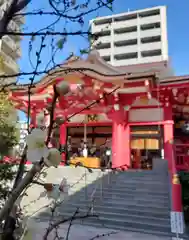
{"x": 62, "y": 10}
{"x": 48, "y": 33}
{"x": 62, "y": 221}
{"x": 98, "y": 236}
{"x": 21, "y": 5}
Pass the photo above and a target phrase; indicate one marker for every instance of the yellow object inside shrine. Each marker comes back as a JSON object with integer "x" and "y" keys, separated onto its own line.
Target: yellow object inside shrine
{"x": 90, "y": 162}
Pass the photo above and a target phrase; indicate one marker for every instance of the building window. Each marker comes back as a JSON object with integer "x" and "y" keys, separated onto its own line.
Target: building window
{"x": 125, "y": 30}
{"x": 106, "y": 58}
{"x": 125, "y": 43}
{"x": 150, "y": 26}
{"x": 152, "y": 53}
{"x": 125, "y": 17}
{"x": 149, "y": 13}
{"x": 102, "y": 21}
{"x": 104, "y": 33}
{"x": 151, "y": 39}
{"x": 102, "y": 46}
{"x": 126, "y": 56}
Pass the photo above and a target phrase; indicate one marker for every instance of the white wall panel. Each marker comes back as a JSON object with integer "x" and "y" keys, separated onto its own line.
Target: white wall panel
{"x": 146, "y": 115}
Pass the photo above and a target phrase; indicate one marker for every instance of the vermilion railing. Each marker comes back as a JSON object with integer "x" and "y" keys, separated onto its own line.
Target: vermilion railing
{"x": 182, "y": 157}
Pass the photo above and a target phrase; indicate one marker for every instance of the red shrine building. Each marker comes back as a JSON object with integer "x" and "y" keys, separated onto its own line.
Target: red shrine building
{"x": 137, "y": 114}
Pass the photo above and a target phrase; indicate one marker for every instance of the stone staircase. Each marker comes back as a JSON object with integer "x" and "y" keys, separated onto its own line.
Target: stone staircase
{"x": 132, "y": 200}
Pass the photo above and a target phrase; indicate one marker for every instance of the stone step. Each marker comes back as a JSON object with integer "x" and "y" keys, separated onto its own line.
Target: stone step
{"x": 139, "y": 172}
{"x": 141, "y": 225}
{"x": 131, "y": 205}
{"x": 126, "y": 175}
{"x": 151, "y": 189}
{"x": 130, "y": 200}
{"x": 105, "y": 221}
{"x": 121, "y": 178}
{"x": 136, "y": 202}
{"x": 135, "y": 190}
{"x": 140, "y": 182}
{"x": 133, "y": 194}
{"x": 159, "y": 213}
{"x": 123, "y": 181}
{"x": 130, "y": 193}
{"x": 122, "y": 185}
{"x": 121, "y": 215}
{"x": 125, "y": 198}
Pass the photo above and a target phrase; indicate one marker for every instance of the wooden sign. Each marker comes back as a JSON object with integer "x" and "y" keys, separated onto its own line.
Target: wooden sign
{"x": 92, "y": 118}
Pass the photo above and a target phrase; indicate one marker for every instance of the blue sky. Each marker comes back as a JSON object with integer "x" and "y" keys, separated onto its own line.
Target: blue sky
{"x": 178, "y": 32}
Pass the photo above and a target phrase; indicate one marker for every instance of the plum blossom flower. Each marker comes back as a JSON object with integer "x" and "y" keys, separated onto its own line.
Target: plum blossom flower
{"x": 53, "y": 158}
{"x": 57, "y": 191}
{"x": 37, "y": 149}
{"x": 36, "y": 145}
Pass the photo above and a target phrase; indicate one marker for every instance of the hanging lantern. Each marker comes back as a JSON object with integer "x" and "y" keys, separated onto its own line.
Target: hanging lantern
{"x": 185, "y": 127}
{"x": 116, "y": 107}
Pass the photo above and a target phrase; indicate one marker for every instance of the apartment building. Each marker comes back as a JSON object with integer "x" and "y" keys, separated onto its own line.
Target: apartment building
{"x": 134, "y": 37}
{"x": 10, "y": 49}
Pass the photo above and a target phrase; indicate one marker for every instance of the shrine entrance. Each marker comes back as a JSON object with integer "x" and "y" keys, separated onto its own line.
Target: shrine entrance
{"x": 98, "y": 139}
{"x": 146, "y": 144}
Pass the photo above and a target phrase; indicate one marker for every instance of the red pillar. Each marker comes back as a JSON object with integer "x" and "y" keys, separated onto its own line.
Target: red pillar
{"x": 121, "y": 146}
{"x": 168, "y": 135}
{"x": 63, "y": 136}
{"x": 168, "y": 143}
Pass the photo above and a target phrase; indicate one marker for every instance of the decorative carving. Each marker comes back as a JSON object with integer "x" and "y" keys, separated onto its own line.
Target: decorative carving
{"x": 92, "y": 118}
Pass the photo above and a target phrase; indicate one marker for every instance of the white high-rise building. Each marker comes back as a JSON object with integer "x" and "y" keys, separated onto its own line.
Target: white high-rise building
{"x": 134, "y": 37}
{"x": 10, "y": 49}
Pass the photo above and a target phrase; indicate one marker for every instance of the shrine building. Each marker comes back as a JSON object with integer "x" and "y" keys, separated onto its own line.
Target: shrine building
{"x": 136, "y": 115}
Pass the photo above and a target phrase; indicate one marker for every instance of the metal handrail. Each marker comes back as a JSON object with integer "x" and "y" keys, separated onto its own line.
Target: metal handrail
{"x": 95, "y": 189}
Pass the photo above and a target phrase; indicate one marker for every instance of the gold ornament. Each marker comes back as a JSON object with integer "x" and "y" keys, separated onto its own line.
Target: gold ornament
{"x": 176, "y": 179}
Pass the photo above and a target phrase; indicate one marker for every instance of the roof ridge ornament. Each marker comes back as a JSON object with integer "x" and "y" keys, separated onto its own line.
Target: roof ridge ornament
{"x": 93, "y": 56}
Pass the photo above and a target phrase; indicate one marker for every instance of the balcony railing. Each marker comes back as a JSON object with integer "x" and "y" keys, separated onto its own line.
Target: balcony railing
{"x": 14, "y": 48}
{"x": 9, "y": 63}
{"x": 13, "y": 26}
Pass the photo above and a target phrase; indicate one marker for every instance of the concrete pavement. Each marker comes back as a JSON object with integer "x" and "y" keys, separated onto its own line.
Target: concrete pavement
{"x": 80, "y": 232}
